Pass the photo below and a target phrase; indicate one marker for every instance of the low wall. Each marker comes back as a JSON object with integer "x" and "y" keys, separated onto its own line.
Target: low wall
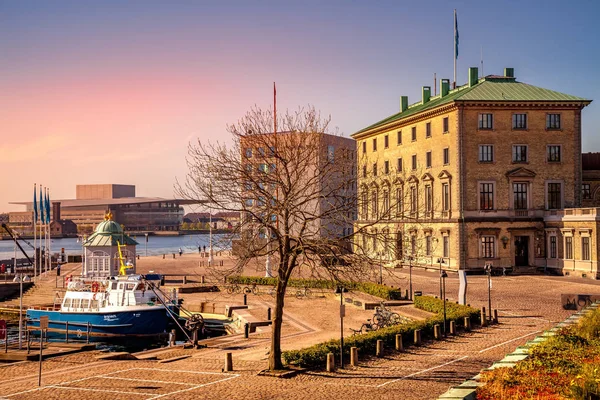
{"x": 10, "y": 290}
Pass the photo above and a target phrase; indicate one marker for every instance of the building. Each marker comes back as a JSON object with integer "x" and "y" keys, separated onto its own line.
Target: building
{"x": 308, "y": 154}
{"x": 474, "y": 175}
{"x": 93, "y": 201}
{"x": 590, "y": 189}
{"x": 222, "y": 220}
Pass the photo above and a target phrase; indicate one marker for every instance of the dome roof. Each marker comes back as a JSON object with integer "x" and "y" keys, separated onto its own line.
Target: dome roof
{"x": 108, "y": 227}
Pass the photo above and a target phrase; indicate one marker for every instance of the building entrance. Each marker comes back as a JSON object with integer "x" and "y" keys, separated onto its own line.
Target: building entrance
{"x": 521, "y": 251}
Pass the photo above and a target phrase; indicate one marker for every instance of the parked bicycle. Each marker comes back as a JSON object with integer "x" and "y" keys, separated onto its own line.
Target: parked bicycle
{"x": 272, "y": 291}
{"x": 385, "y": 317}
{"x": 252, "y": 289}
{"x": 365, "y": 327}
{"x": 304, "y": 292}
{"x": 234, "y": 288}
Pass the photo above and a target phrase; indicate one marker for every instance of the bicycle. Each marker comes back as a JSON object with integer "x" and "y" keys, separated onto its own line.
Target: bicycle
{"x": 365, "y": 327}
{"x": 252, "y": 289}
{"x": 304, "y": 292}
{"x": 234, "y": 288}
{"x": 272, "y": 291}
{"x": 384, "y": 317}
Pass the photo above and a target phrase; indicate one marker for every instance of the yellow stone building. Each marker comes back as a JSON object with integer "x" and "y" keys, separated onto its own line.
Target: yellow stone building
{"x": 478, "y": 174}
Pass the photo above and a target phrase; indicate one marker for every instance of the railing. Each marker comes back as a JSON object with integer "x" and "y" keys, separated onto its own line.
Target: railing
{"x": 588, "y": 211}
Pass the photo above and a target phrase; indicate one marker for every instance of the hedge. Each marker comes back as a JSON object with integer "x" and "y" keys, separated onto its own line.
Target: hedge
{"x": 315, "y": 356}
{"x": 384, "y": 292}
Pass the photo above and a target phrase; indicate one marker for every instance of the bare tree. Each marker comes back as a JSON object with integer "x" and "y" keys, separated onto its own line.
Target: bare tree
{"x": 295, "y": 191}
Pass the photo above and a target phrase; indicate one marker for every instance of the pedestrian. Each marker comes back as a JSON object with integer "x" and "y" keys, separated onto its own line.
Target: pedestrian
{"x": 204, "y": 247}
{"x": 199, "y": 249}
{"x": 58, "y": 270}
{"x": 180, "y": 252}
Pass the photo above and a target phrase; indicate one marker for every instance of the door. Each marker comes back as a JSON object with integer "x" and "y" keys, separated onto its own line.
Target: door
{"x": 521, "y": 251}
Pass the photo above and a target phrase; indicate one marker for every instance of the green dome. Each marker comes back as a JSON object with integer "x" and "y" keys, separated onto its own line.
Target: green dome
{"x": 108, "y": 227}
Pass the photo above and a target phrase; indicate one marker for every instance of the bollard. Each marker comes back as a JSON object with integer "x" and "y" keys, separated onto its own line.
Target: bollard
{"x": 452, "y": 328}
{"x": 245, "y": 299}
{"x": 417, "y": 337}
{"x": 354, "y": 356}
{"x": 185, "y": 279}
{"x": 437, "y": 331}
{"x": 406, "y": 294}
{"x": 467, "y": 323}
{"x": 330, "y": 362}
{"x": 399, "y": 344}
{"x": 173, "y": 255}
{"x": 172, "y": 337}
{"x": 224, "y": 279}
{"x": 228, "y": 363}
{"x": 483, "y": 317}
{"x": 246, "y": 330}
{"x": 379, "y": 349}
{"x": 269, "y": 314}
{"x": 202, "y": 279}
{"x": 495, "y": 316}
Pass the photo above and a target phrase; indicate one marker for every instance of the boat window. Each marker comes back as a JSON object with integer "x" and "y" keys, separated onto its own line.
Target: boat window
{"x": 67, "y": 303}
{"x": 114, "y": 286}
{"x": 85, "y": 303}
{"x": 120, "y": 286}
{"x": 76, "y": 303}
{"x": 94, "y": 305}
{"x": 131, "y": 286}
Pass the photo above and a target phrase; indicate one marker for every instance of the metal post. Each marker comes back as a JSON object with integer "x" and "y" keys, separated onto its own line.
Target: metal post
{"x": 88, "y": 333}
{"x": 146, "y": 244}
{"x": 444, "y": 275}
{"x": 488, "y": 270}
{"x": 341, "y": 289}
{"x": 440, "y": 261}
{"x": 20, "y": 296}
{"x": 381, "y": 268}
{"x": 41, "y": 347}
{"x": 67, "y": 334}
{"x": 410, "y": 278}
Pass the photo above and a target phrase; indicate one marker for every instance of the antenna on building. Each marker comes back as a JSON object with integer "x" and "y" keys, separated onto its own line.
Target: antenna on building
{"x": 482, "y": 75}
{"x": 434, "y": 84}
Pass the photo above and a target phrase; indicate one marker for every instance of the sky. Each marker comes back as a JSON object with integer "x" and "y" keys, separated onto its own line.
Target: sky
{"x": 113, "y": 91}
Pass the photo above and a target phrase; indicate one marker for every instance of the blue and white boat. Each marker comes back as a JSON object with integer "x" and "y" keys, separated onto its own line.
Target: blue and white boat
{"x": 113, "y": 307}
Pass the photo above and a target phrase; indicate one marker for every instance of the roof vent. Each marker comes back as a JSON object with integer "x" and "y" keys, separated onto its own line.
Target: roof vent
{"x": 403, "y": 103}
{"x": 473, "y": 76}
{"x": 426, "y": 93}
{"x": 509, "y": 72}
{"x": 445, "y": 85}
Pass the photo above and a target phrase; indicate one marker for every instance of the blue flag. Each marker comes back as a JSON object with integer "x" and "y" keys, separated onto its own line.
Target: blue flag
{"x": 455, "y": 35}
{"x": 42, "y": 219}
{"x": 35, "y": 210}
{"x": 47, "y": 207}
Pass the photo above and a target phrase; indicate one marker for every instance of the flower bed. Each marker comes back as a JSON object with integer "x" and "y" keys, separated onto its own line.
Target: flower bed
{"x": 566, "y": 365}
{"x": 314, "y": 356}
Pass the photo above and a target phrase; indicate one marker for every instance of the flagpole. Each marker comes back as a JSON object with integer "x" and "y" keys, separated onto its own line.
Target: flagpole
{"x": 34, "y": 222}
{"x": 49, "y": 231}
{"x": 455, "y": 48}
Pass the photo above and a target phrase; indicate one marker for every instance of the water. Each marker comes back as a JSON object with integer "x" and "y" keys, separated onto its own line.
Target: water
{"x": 156, "y": 245}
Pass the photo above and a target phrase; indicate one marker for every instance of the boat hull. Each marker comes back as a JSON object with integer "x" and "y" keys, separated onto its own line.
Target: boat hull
{"x": 113, "y": 324}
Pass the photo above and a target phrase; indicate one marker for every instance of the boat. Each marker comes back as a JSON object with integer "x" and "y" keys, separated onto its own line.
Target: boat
{"x": 113, "y": 307}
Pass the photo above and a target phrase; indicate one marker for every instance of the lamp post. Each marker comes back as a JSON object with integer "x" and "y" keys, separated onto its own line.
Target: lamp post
{"x": 440, "y": 261}
{"x": 20, "y": 295}
{"x": 488, "y": 270}
{"x": 380, "y": 253}
{"x": 341, "y": 290}
{"x": 210, "y": 249}
{"x": 443, "y": 276}
{"x": 410, "y": 276}
{"x": 146, "y": 244}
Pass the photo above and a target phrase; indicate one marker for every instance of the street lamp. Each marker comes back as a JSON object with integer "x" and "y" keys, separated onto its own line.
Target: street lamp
{"x": 380, "y": 254}
{"x": 440, "y": 261}
{"x": 341, "y": 289}
{"x": 488, "y": 270}
{"x": 443, "y": 276}
{"x": 410, "y": 258}
{"x": 146, "y": 244}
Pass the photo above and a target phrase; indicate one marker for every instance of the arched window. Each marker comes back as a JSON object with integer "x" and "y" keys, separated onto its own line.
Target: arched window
{"x": 98, "y": 264}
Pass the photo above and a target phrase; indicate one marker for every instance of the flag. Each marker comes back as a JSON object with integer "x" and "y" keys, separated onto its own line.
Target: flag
{"x": 47, "y": 206}
{"x": 42, "y": 219}
{"x": 455, "y": 35}
{"x": 35, "y": 210}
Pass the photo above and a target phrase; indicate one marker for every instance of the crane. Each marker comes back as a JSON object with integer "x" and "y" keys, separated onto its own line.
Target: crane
{"x": 15, "y": 236}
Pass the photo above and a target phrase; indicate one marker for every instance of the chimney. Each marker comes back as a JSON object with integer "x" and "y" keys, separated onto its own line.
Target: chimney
{"x": 445, "y": 87}
{"x": 55, "y": 211}
{"x": 473, "y": 76}
{"x": 426, "y": 93}
{"x": 509, "y": 72}
{"x": 403, "y": 103}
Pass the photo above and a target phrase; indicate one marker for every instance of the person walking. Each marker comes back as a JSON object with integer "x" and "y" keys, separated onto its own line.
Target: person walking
{"x": 204, "y": 248}
{"x": 180, "y": 252}
{"x": 199, "y": 249}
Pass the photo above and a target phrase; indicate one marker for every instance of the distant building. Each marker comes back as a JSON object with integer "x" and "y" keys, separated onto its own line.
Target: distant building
{"x": 220, "y": 220}
{"x": 93, "y": 201}
{"x": 590, "y": 188}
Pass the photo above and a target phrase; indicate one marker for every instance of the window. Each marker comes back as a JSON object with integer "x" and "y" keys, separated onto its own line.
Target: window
{"x": 249, "y": 202}
{"x": 414, "y": 133}
{"x": 261, "y": 151}
{"x": 374, "y": 239}
{"x": 413, "y": 199}
{"x": 428, "y": 199}
{"x": 446, "y": 156}
{"x": 569, "y": 247}
{"x": 427, "y": 245}
{"x": 519, "y": 153}
{"x": 586, "y": 192}
{"x": 520, "y": 195}
{"x": 271, "y": 151}
{"x": 399, "y": 166}
{"x": 399, "y": 137}
{"x": 519, "y": 121}
{"x": 553, "y": 153}
{"x": 414, "y": 162}
{"x": 330, "y": 154}
{"x": 374, "y": 169}
{"x": 552, "y": 246}
{"x": 552, "y": 121}
{"x": 486, "y": 196}
{"x": 374, "y": 144}
{"x": 386, "y": 203}
{"x": 364, "y": 147}
{"x": 386, "y": 167}
{"x": 486, "y": 121}
{"x": 428, "y": 130}
{"x": 445, "y": 196}
{"x": 445, "y": 124}
{"x": 428, "y": 159}
{"x": 486, "y": 153}
{"x": 488, "y": 246}
{"x": 364, "y": 171}
{"x": 248, "y": 152}
{"x": 585, "y": 248}
{"x": 446, "y": 245}
{"x": 374, "y": 210}
{"x": 554, "y": 196}
{"x": 386, "y": 141}
{"x": 413, "y": 245}
{"x": 365, "y": 205}
{"x": 399, "y": 201}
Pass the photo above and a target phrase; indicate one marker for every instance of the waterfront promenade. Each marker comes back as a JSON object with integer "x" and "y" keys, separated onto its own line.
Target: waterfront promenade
{"x": 527, "y": 305}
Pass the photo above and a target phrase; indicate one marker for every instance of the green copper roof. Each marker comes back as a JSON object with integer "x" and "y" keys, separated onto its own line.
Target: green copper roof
{"x": 490, "y": 88}
{"x": 108, "y": 233}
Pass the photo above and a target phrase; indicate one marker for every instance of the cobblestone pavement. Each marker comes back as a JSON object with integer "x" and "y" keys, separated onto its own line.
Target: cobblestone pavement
{"x": 527, "y": 305}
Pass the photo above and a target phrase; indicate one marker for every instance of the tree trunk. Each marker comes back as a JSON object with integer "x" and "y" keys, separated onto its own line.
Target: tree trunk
{"x": 275, "y": 354}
